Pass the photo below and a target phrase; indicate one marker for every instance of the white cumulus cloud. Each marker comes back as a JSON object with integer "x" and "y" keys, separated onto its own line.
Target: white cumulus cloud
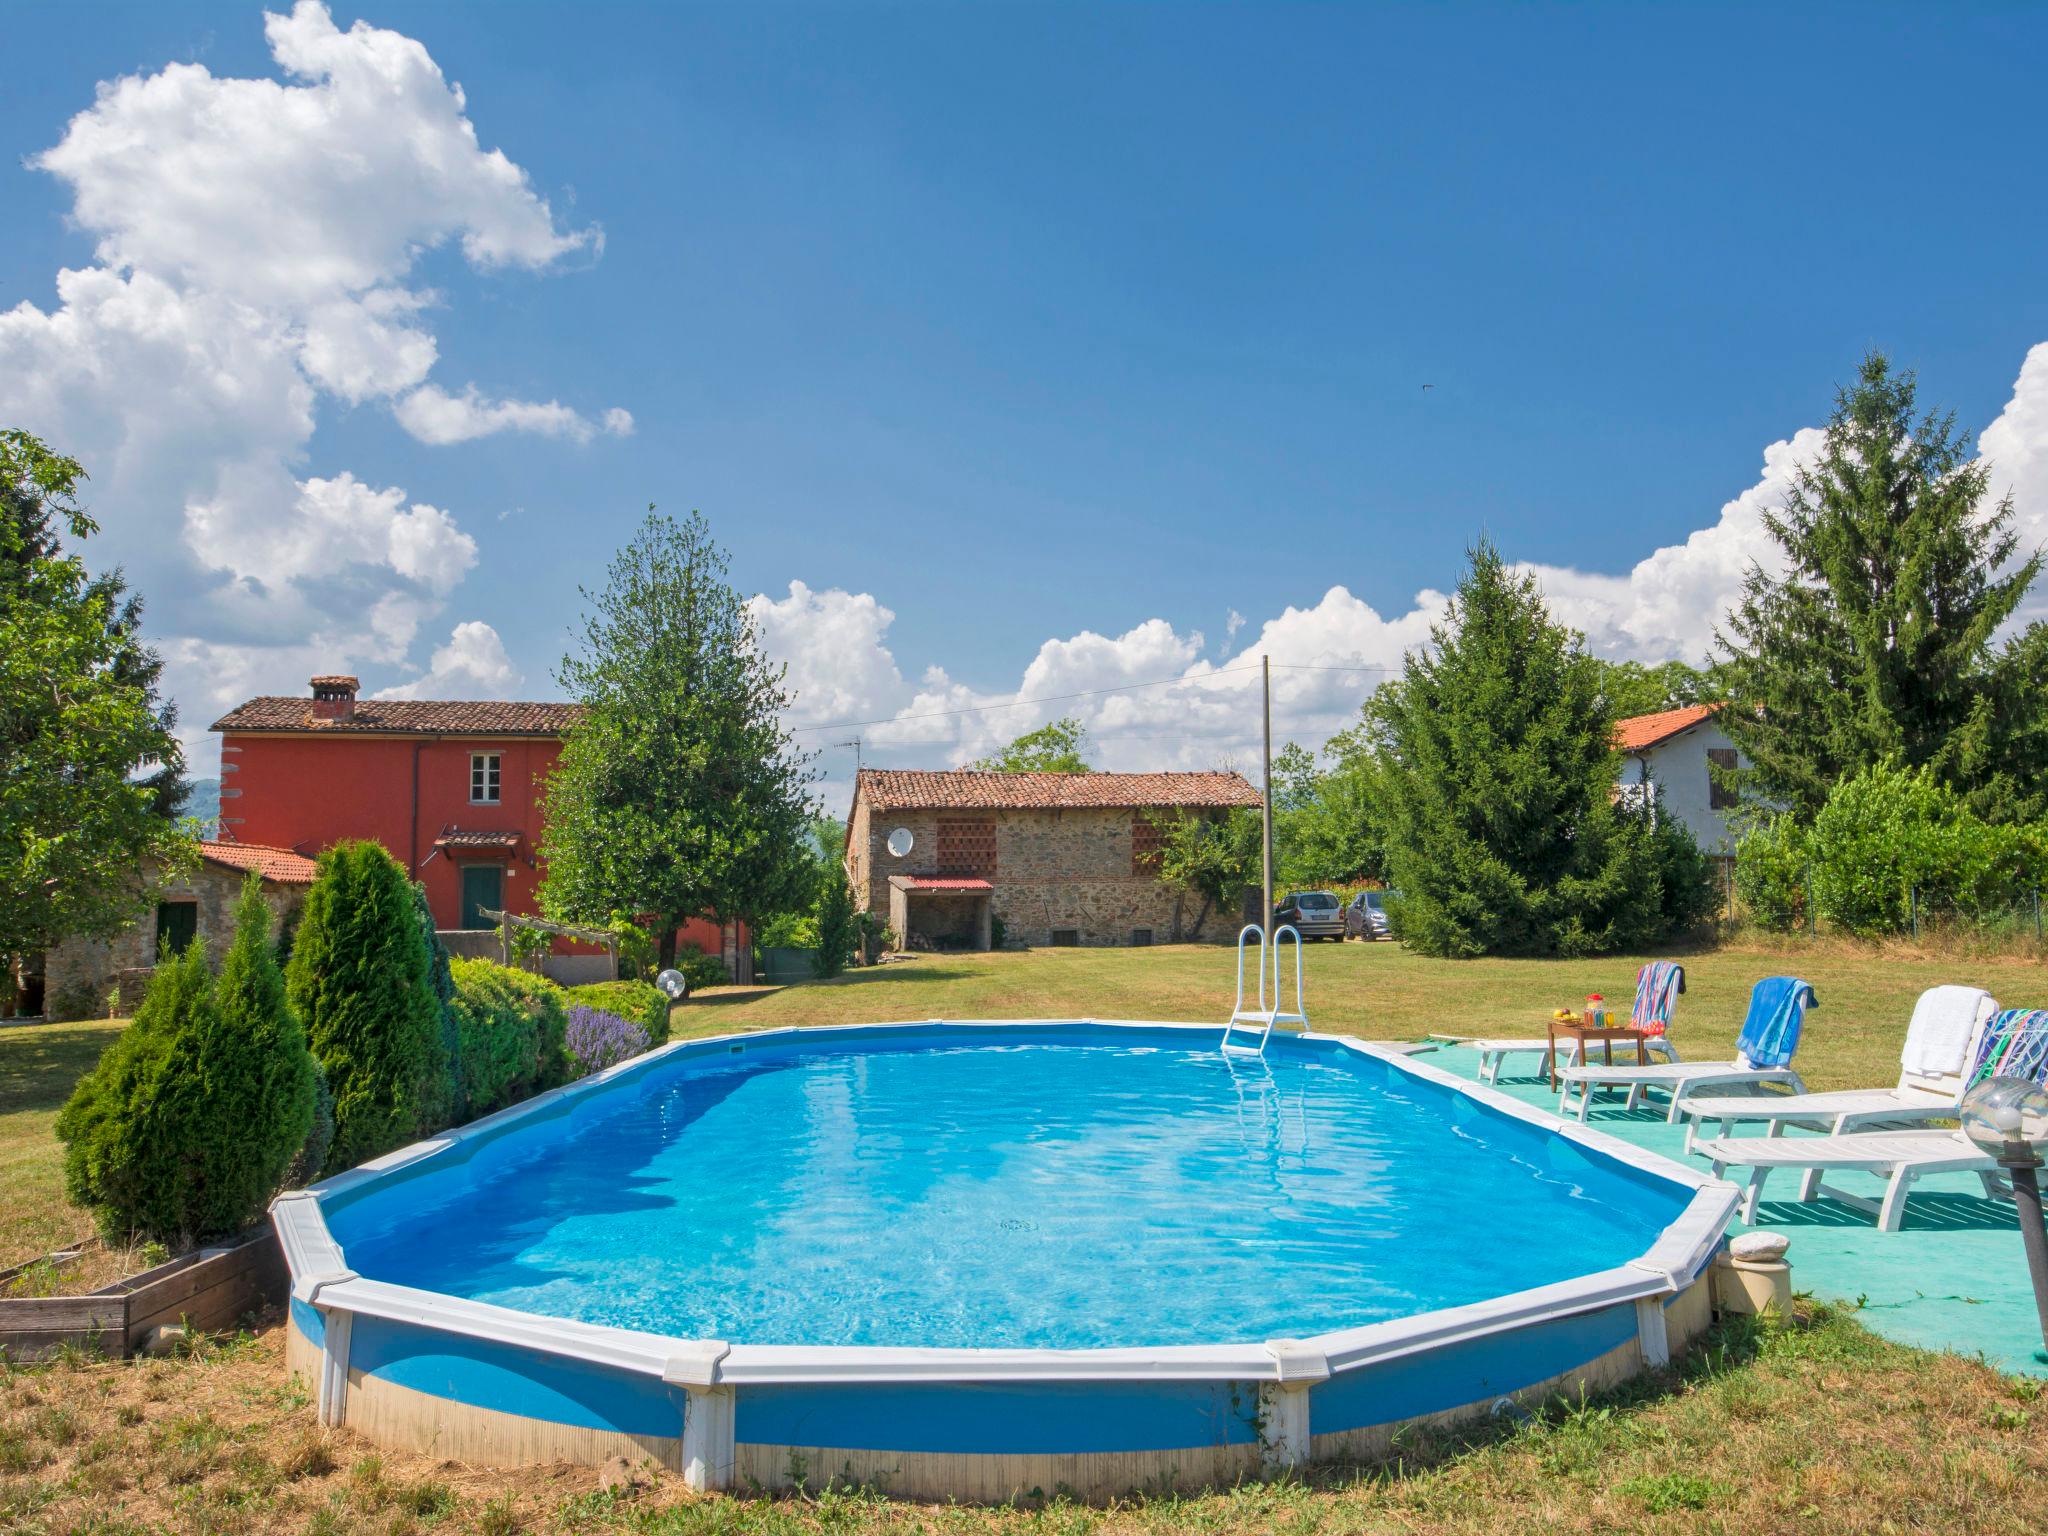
{"x": 472, "y": 665}
{"x": 255, "y": 244}
{"x": 434, "y": 416}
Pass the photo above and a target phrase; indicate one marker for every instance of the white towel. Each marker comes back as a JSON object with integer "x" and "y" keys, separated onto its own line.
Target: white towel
{"x": 1944, "y": 1028}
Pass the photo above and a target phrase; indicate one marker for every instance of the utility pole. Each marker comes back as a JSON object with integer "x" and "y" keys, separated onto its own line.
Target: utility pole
{"x": 1266, "y": 798}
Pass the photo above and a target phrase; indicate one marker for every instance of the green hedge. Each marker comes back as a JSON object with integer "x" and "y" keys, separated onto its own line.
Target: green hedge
{"x": 510, "y": 1025}
{"x": 636, "y": 1001}
{"x": 700, "y": 969}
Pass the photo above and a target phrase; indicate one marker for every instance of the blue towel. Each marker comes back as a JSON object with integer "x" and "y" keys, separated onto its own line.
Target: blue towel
{"x": 1777, "y": 1007}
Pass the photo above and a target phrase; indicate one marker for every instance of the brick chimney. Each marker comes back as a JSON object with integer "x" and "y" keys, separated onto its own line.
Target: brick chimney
{"x": 334, "y": 698}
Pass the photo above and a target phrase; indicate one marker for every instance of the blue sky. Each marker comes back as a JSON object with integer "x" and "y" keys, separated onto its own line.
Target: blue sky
{"x": 1030, "y": 323}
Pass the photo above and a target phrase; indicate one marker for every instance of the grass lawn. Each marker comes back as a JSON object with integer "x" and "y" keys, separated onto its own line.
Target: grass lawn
{"x": 1817, "y": 1426}
{"x": 1381, "y": 991}
{"x": 38, "y": 1065}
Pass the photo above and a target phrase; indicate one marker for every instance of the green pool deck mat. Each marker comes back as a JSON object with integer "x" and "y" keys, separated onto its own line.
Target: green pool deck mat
{"x": 1954, "y": 1277}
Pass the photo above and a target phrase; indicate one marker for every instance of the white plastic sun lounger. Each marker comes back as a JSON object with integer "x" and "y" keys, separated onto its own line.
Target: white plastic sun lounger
{"x": 1898, "y": 1157}
{"x": 1941, "y": 1043}
{"x": 1777, "y": 1004}
{"x": 1494, "y": 1054}
{"x": 1654, "y": 998}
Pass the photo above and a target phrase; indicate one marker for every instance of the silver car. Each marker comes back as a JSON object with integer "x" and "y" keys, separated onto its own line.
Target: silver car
{"x": 1312, "y": 914}
{"x": 1366, "y": 917}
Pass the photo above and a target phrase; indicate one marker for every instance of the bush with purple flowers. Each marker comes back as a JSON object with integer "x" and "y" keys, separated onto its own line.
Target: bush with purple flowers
{"x": 597, "y": 1040}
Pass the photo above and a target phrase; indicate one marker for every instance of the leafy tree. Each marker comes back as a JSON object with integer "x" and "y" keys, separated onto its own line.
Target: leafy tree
{"x": 193, "y": 1117}
{"x": 361, "y": 981}
{"x": 1327, "y": 821}
{"x": 1880, "y": 637}
{"x": 1058, "y": 747}
{"x": 679, "y": 793}
{"x": 1630, "y": 688}
{"x": 89, "y": 761}
{"x": 1215, "y": 857}
{"x": 1502, "y": 832}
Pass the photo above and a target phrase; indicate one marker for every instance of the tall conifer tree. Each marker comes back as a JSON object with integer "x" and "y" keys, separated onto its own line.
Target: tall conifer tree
{"x": 1498, "y": 786}
{"x": 1880, "y": 636}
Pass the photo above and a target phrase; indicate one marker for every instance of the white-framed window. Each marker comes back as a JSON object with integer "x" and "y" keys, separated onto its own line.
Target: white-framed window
{"x": 483, "y": 778}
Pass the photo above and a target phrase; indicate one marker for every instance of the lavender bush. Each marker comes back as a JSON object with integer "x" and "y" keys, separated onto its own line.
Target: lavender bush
{"x": 596, "y": 1039}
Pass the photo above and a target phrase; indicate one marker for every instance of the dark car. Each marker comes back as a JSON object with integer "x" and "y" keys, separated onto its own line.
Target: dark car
{"x": 1312, "y": 914}
{"x": 1366, "y": 917}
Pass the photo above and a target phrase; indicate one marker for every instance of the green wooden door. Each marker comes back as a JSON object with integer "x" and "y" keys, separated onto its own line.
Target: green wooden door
{"x": 483, "y": 886}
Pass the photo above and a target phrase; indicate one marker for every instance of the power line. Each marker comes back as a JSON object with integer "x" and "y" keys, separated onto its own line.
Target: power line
{"x": 1061, "y": 698}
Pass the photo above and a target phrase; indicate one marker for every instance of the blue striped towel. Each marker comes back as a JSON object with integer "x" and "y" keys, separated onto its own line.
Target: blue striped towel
{"x": 2014, "y": 1044}
{"x": 1777, "y": 1007}
{"x": 1657, "y": 987}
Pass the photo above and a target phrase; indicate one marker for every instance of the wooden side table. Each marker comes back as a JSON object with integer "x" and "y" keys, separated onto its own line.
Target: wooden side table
{"x": 1606, "y": 1037}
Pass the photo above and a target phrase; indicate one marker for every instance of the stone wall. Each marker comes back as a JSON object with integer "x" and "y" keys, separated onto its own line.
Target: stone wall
{"x": 87, "y": 967}
{"x": 1055, "y": 871}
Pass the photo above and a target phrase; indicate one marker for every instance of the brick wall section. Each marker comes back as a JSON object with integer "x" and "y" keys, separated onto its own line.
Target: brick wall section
{"x": 1054, "y": 869}
{"x": 967, "y": 845}
{"x": 93, "y": 963}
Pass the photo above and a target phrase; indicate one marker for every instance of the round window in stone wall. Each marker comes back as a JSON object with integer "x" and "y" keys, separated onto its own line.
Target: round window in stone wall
{"x": 900, "y": 842}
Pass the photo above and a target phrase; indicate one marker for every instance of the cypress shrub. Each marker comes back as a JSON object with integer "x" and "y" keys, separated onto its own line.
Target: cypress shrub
{"x": 192, "y": 1119}
{"x": 511, "y": 1026}
{"x": 360, "y": 981}
{"x": 835, "y": 926}
{"x": 255, "y": 1108}
{"x": 447, "y": 1106}
{"x": 122, "y": 1155}
{"x": 635, "y": 1001}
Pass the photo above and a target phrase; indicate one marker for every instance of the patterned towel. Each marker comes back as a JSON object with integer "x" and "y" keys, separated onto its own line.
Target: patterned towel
{"x": 1657, "y": 987}
{"x": 1777, "y": 1008}
{"x": 2015, "y": 1044}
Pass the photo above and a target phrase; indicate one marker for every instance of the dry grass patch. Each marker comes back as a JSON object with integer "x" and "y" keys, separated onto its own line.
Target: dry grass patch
{"x": 1815, "y": 1427}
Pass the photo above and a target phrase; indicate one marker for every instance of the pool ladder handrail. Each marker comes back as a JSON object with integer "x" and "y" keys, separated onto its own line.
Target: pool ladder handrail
{"x": 1262, "y": 1017}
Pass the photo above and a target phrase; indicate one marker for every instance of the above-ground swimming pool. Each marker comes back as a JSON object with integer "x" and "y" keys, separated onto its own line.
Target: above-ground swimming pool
{"x": 981, "y": 1259}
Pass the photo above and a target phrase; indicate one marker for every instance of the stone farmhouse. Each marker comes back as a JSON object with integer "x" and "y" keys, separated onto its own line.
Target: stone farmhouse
{"x": 80, "y": 974}
{"x": 1058, "y": 858}
{"x": 1676, "y": 751}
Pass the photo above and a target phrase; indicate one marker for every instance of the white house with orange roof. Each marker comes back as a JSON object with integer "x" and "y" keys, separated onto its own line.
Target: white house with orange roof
{"x": 1677, "y": 751}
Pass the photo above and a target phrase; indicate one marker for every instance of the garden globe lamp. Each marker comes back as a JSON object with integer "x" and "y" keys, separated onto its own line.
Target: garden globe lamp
{"x": 2007, "y": 1118}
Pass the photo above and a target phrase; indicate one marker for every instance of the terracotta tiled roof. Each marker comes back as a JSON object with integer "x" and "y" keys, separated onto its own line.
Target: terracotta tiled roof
{"x": 455, "y": 837}
{"x": 406, "y": 717}
{"x": 1638, "y": 733}
{"x": 939, "y": 883}
{"x": 890, "y": 789}
{"x": 279, "y": 864}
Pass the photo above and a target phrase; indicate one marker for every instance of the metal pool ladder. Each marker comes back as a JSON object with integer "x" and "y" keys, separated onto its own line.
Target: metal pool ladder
{"x": 1263, "y": 1018}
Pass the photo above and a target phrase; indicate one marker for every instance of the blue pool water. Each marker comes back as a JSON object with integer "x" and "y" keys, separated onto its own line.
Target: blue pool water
{"x": 1057, "y": 1195}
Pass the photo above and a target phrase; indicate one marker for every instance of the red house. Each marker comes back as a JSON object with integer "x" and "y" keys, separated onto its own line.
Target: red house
{"x": 451, "y": 787}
